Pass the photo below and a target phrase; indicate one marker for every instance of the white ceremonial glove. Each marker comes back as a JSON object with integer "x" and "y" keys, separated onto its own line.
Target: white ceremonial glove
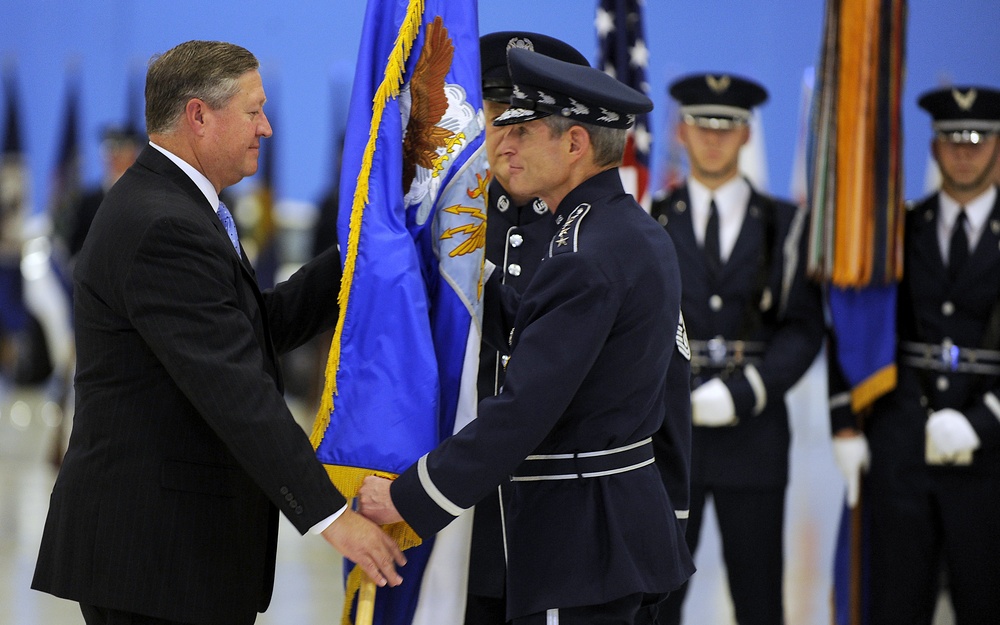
{"x": 852, "y": 457}
{"x": 950, "y": 437}
{"x": 712, "y": 405}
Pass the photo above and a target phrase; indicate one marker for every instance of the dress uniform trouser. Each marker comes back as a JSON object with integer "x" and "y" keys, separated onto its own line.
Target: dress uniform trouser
{"x": 482, "y": 610}
{"x": 751, "y": 525}
{"x": 956, "y": 519}
{"x": 634, "y": 609}
{"x": 93, "y": 615}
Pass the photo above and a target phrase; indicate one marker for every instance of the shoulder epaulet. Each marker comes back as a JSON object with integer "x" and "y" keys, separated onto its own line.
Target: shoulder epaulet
{"x": 920, "y": 202}
{"x": 567, "y": 239}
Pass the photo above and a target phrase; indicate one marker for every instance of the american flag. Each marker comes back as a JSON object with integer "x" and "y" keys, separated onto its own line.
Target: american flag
{"x": 624, "y": 56}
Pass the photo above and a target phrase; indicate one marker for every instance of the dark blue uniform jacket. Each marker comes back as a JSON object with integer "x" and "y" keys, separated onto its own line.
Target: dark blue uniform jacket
{"x": 588, "y": 371}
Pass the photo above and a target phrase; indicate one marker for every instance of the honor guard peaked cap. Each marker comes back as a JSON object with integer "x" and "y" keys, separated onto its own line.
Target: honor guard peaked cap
{"x": 963, "y": 114}
{"x": 493, "y": 58}
{"x": 718, "y": 101}
{"x": 544, "y": 86}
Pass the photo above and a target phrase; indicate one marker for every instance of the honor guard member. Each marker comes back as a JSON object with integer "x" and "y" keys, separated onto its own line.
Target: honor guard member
{"x": 518, "y": 231}
{"x": 755, "y": 325}
{"x": 934, "y": 441}
{"x": 591, "y": 533}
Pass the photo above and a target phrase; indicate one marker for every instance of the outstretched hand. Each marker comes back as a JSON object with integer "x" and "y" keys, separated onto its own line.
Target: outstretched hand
{"x": 375, "y": 501}
{"x": 364, "y": 543}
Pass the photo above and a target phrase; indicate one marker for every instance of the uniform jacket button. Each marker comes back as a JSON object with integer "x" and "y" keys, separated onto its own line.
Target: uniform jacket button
{"x": 516, "y": 240}
{"x": 514, "y": 269}
{"x": 715, "y": 303}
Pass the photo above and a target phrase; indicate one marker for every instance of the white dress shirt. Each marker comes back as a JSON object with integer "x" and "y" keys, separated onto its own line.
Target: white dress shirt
{"x": 731, "y": 200}
{"x": 977, "y": 212}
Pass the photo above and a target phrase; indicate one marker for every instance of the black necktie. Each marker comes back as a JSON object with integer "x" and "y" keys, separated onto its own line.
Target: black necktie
{"x": 958, "y": 250}
{"x": 712, "y": 253}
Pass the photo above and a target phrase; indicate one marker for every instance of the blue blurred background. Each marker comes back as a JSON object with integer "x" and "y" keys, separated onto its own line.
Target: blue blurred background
{"x": 308, "y": 48}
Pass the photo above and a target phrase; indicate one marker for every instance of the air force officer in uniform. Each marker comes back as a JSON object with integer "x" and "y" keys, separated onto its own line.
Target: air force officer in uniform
{"x": 518, "y": 231}
{"x": 934, "y": 476}
{"x": 591, "y": 531}
{"x": 755, "y": 325}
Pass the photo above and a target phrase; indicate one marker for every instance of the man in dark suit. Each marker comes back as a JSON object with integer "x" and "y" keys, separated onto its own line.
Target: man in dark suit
{"x": 183, "y": 449}
{"x": 592, "y": 534}
{"x": 518, "y": 232}
{"x": 755, "y": 325}
{"x": 934, "y": 441}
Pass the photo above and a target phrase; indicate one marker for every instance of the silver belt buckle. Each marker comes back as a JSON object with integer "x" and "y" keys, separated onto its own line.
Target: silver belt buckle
{"x": 717, "y": 350}
{"x": 949, "y": 355}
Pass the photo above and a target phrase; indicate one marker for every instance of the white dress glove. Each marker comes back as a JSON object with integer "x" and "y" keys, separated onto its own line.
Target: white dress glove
{"x": 950, "y": 437}
{"x": 712, "y": 405}
{"x": 852, "y": 457}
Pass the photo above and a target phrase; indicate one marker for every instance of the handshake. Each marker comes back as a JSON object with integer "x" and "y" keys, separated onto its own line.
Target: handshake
{"x": 359, "y": 540}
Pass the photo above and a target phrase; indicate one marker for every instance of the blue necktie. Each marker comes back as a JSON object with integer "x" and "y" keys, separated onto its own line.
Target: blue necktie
{"x": 227, "y": 222}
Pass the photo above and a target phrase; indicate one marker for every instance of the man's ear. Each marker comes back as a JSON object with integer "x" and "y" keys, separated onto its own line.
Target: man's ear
{"x": 578, "y": 142}
{"x": 681, "y": 133}
{"x": 745, "y": 129}
{"x": 194, "y": 115}
{"x": 934, "y": 149}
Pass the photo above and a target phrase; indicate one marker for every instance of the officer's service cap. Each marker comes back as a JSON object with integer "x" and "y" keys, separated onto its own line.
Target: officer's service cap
{"x": 493, "y": 58}
{"x": 963, "y": 114}
{"x": 718, "y": 101}
{"x": 545, "y": 86}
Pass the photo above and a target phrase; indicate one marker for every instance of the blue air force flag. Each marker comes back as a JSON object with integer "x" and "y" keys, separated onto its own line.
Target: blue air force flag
{"x": 402, "y": 367}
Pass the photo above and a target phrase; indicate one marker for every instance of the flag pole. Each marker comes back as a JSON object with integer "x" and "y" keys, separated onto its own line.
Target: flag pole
{"x": 366, "y": 602}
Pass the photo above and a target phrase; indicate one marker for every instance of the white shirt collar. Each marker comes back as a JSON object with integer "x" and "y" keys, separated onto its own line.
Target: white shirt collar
{"x": 731, "y": 200}
{"x": 196, "y": 176}
{"x": 977, "y": 213}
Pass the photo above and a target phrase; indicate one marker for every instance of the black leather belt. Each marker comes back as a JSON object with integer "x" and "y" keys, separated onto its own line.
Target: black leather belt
{"x": 721, "y": 353}
{"x": 585, "y": 464}
{"x": 946, "y": 357}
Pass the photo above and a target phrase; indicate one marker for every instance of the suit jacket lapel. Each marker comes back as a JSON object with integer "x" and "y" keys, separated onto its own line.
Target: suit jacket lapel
{"x": 682, "y": 229}
{"x": 983, "y": 260}
{"x": 747, "y": 249}
{"x": 925, "y": 248}
{"x": 153, "y": 159}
